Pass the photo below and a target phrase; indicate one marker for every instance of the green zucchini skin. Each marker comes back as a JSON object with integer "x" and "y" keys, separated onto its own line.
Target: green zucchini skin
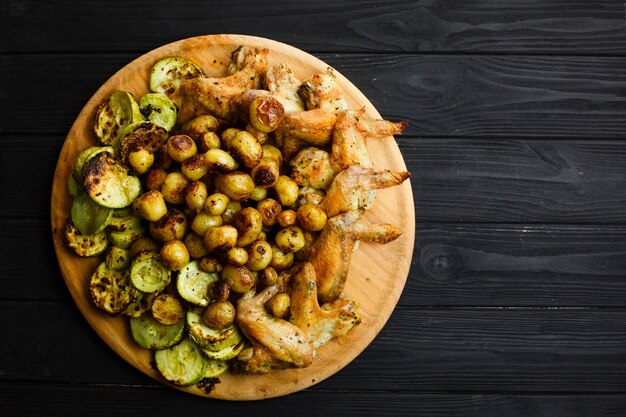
{"x": 226, "y": 353}
{"x": 88, "y": 216}
{"x": 85, "y": 245}
{"x": 148, "y": 274}
{"x": 182, "y": 364}
{"x": 123, "y": 231}
{"x": 150, "y": 334}
{"x": 193, "y": 283}
{"x": 169, "y": 73}
{"x": 114, "y": 115}
{"x": 108, "y": 182}
{"x": 159, "y": 109}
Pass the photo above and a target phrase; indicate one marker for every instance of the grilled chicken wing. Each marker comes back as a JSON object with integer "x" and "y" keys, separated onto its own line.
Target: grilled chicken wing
{"x": 214, "y": 95}
{"x": 331, "y": 253}
{"x": 311, "y": 167}
{"x": 324, "y": 323}
{"x": 353, "y": 187}
{"x": 283, "y": 84}
{"x": 276, "y": 343}
{"x": 349, "y": 147}
{"x": 322, "y": 92}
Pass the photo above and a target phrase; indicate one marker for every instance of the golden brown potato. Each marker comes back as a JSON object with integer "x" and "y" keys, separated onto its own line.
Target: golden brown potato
{"x": 236, "y": 185}
{"x": 228, "y": 135}
{"x": 195, "y": 167}
{"x": 280, "y": 260}
{"x": 172, "y": 226}
{"x": 268, "y": 276}
{"x": 236, "y": 256}
{"x": 140, "y": 160}
{"x": 216, "y": 204}
{"x": 311, "y": 217}
{"x": 210, "y": 264}
{"x": 287, "y": 218}
{"x": 173, "y": 188}
{"x": 181, "y": 147}
{"x": 143, "y": 244}
{"x": 258, "y": 194}
{"x": 259, "y": 255}
{"x": 151, "y": 205}
{"x": 266, "y": 172}
{"x": 167, "y": 309}
{"x": 219, "y": 315}
{"x": 290, "y": 239}
{"x": 273, "y": 152}
{"x": 162, "y": 159}
{"x": 239, "y": 278}
{"x": 155, "y": 179}
{"x": 218, "y": 160}
{"x": 269, "y": 210}
{"x": 195, "y": 245}
{"x": 286, "y": 191}
{"x": 278, "y": 305}
{"x": 220, "y": 239}
{"x": 199, "y": 126}
{"x": 249, "y": 224}
{"x": 219, "y": 290}
{"x": 232, "y": 208}
{"x": 261, "y": 137}
{"x": 204, "y": 221}
{"x": 246, "y": 149}
{"x": 175, "y": 255}
{"x": 208, "y": 141}
{"x": 196, "y": 194}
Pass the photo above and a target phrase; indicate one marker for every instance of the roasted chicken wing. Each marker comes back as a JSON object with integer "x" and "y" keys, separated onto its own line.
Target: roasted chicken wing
{"x": 322, "y": 92}
{"x": 331, "y": 253}
{"x": 283, "y": 84}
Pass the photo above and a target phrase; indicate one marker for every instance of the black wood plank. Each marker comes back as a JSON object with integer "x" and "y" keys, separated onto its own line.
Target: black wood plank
{"x": 461, "y": 350}
{"x": 453, "y": 265}
{"x": 81, "y": 400}
{"x": 573, "y": 26}
{"x": 491, "y": 96}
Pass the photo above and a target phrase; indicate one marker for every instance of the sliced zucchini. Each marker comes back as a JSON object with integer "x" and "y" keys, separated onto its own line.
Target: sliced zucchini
{"x": 225, "y": 354}
{"x": 215, "y": 367}
{"x": 141, "y": 135}
{"x": 169, "y": 73}
{"x": 108, "y": 182}
{"x": 117, "y": 258}
{"x": 85, "y": 245}
{"x": 209, "y": 338}
{"x": 83, "y": 157}
{"x": 182, "y": 364}
{"x": 88, "y": 216}
{"x": 123, "y": 231}
{"x": 193, "y": 283}
{"x": 73, "y": 186}
{"x": 140, "y": 304}
{"x": 159, "y": 109}
{"x": 110, "y": 289}
{"x": 148, "y": 274}
{"x": 150, "y": 334}
{"x": 114, "y": 115}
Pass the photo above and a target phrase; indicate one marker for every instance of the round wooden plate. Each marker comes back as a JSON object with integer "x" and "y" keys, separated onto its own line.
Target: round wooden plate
{"x": 377, "y": 273}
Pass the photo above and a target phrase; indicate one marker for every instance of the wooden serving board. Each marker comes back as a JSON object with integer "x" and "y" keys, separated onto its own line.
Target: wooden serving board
{"x": 377, "y": 273}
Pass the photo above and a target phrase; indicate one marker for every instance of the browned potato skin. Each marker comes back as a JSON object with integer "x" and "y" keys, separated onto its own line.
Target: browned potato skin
{"x": 219, "y": 315}
{"x": 286, "y": 191}
{"x": 249, "y": 223}
{"x": 228, "y": 135}
{"x": 196, "y": 194}
{"x": 151, "y": 206}
{"x": 173, "y": 188}
{"x": 311, "y": 217}
{"x": 237, "y": 256}
{"x": 155, "y": 178}
{"x": 172, "y": 226}
{"x": 195, "y": 245}
{"x": 270, "y": 210}
{"x": 220, "y": 239}
{"x": 239, "y": 278}
{"x": 236, "y": 185}
{"x": 259, "y": 255}
{"x": 290, "y": 239}
{"x": 203, "y": 222}
{"x": 175, "y": 255}
{"x": 287, "y": 218}
{"x": 261, "y": 137}
{"x": 268, "y": 276}
{"x": 162, "y": 159}
{"x": 201, "y": 125}
{"x": 211, "y": 264}
{"x": 280, "y": 260}
{"x": 216, "y": 204}
{"x": 195, "y": 167}
{"x": 141, "y": 160}
{"x": 142, "y": 244}
{"x": 219, "y": 290}
{"x": 167, "y": 309}
{"x": 266, "y": 172}
{"x": 181, "y": 147}
{"x": 278, "y": 306}
{"x": 246, "y": 149}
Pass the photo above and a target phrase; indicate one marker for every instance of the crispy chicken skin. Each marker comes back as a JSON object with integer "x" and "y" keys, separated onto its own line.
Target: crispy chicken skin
{"x": 349, "y": 147}
{"x": 276, "y": 343}
{"x": 351, "y": 189}
{"x": 324, "y": 323}
{"x": 283, "y": 84}
{"x": 322, "y": 92}
{"x": 331, "y": 253}
{"x": 214, "y": 95}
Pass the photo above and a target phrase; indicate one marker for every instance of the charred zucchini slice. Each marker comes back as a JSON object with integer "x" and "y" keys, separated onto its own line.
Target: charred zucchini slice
{"x": 141, "y": 135}
{"x": 225, "y": 354}
{"x": 123, "y": 231}
{"x": 85, "y": 245}
{"x": 114, "y": 115}
{"x": 209, "y": 338}
{"x": 110, "y": 289}
{"x": 169, "y": 73}
{"x": 140, "y": 304}
{"x": 117, "y": 258}
{"x": 150, "y": 334}
{"x": 182, "y": 364}
{"x": 83, "y": 157}
{"x": 88, "y": 216}
{"x": 158, "y": 109}
{"x": 148, "y": 274}
{"x": 215, "y": 367}
{"x": 108, "y": 182}
{"x": 193, "y": 283}
{"x": 73, "y": 186}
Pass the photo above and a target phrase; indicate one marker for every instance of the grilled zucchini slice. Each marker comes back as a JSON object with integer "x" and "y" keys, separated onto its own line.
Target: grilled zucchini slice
{"x": 141, "y": 135}
{"x": 83, "y": 157}
{"x": 215, "y": 367}
{"x": 193, "y": 283}
{"x": 159, "y": 110}
{"x": 182, "y": 364}
{"x": 108, "y": 182}
{"x": 140, "y": 303}
{"x": 110, "y": 289}
{"x": 85, "y": 245}
{"x": 123, "y": 231}
{"x": 73, "y": 186}
{"x": 211, "y": 339}
{"x": 148, "y": 274}
{"x": 117, "y": 258}
{"x": 150, "y": 334}
{"x": 225, "y": 354}
{"x": 114, "y": 115}
{"x": 169, "y": 73}
{"x": 88, "y": 216}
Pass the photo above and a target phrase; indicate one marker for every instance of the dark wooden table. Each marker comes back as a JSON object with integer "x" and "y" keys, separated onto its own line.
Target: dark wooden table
{"x": 516, "y": 300}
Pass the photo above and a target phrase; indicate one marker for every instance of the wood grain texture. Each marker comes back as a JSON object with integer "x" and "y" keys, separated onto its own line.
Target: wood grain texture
{"x": 440, "y": 96}
{"x": 70, "y": 400}
{"x": 537, "y": 26}
{"x": 376, "y": 298}
{"x": 419, "y": 350}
